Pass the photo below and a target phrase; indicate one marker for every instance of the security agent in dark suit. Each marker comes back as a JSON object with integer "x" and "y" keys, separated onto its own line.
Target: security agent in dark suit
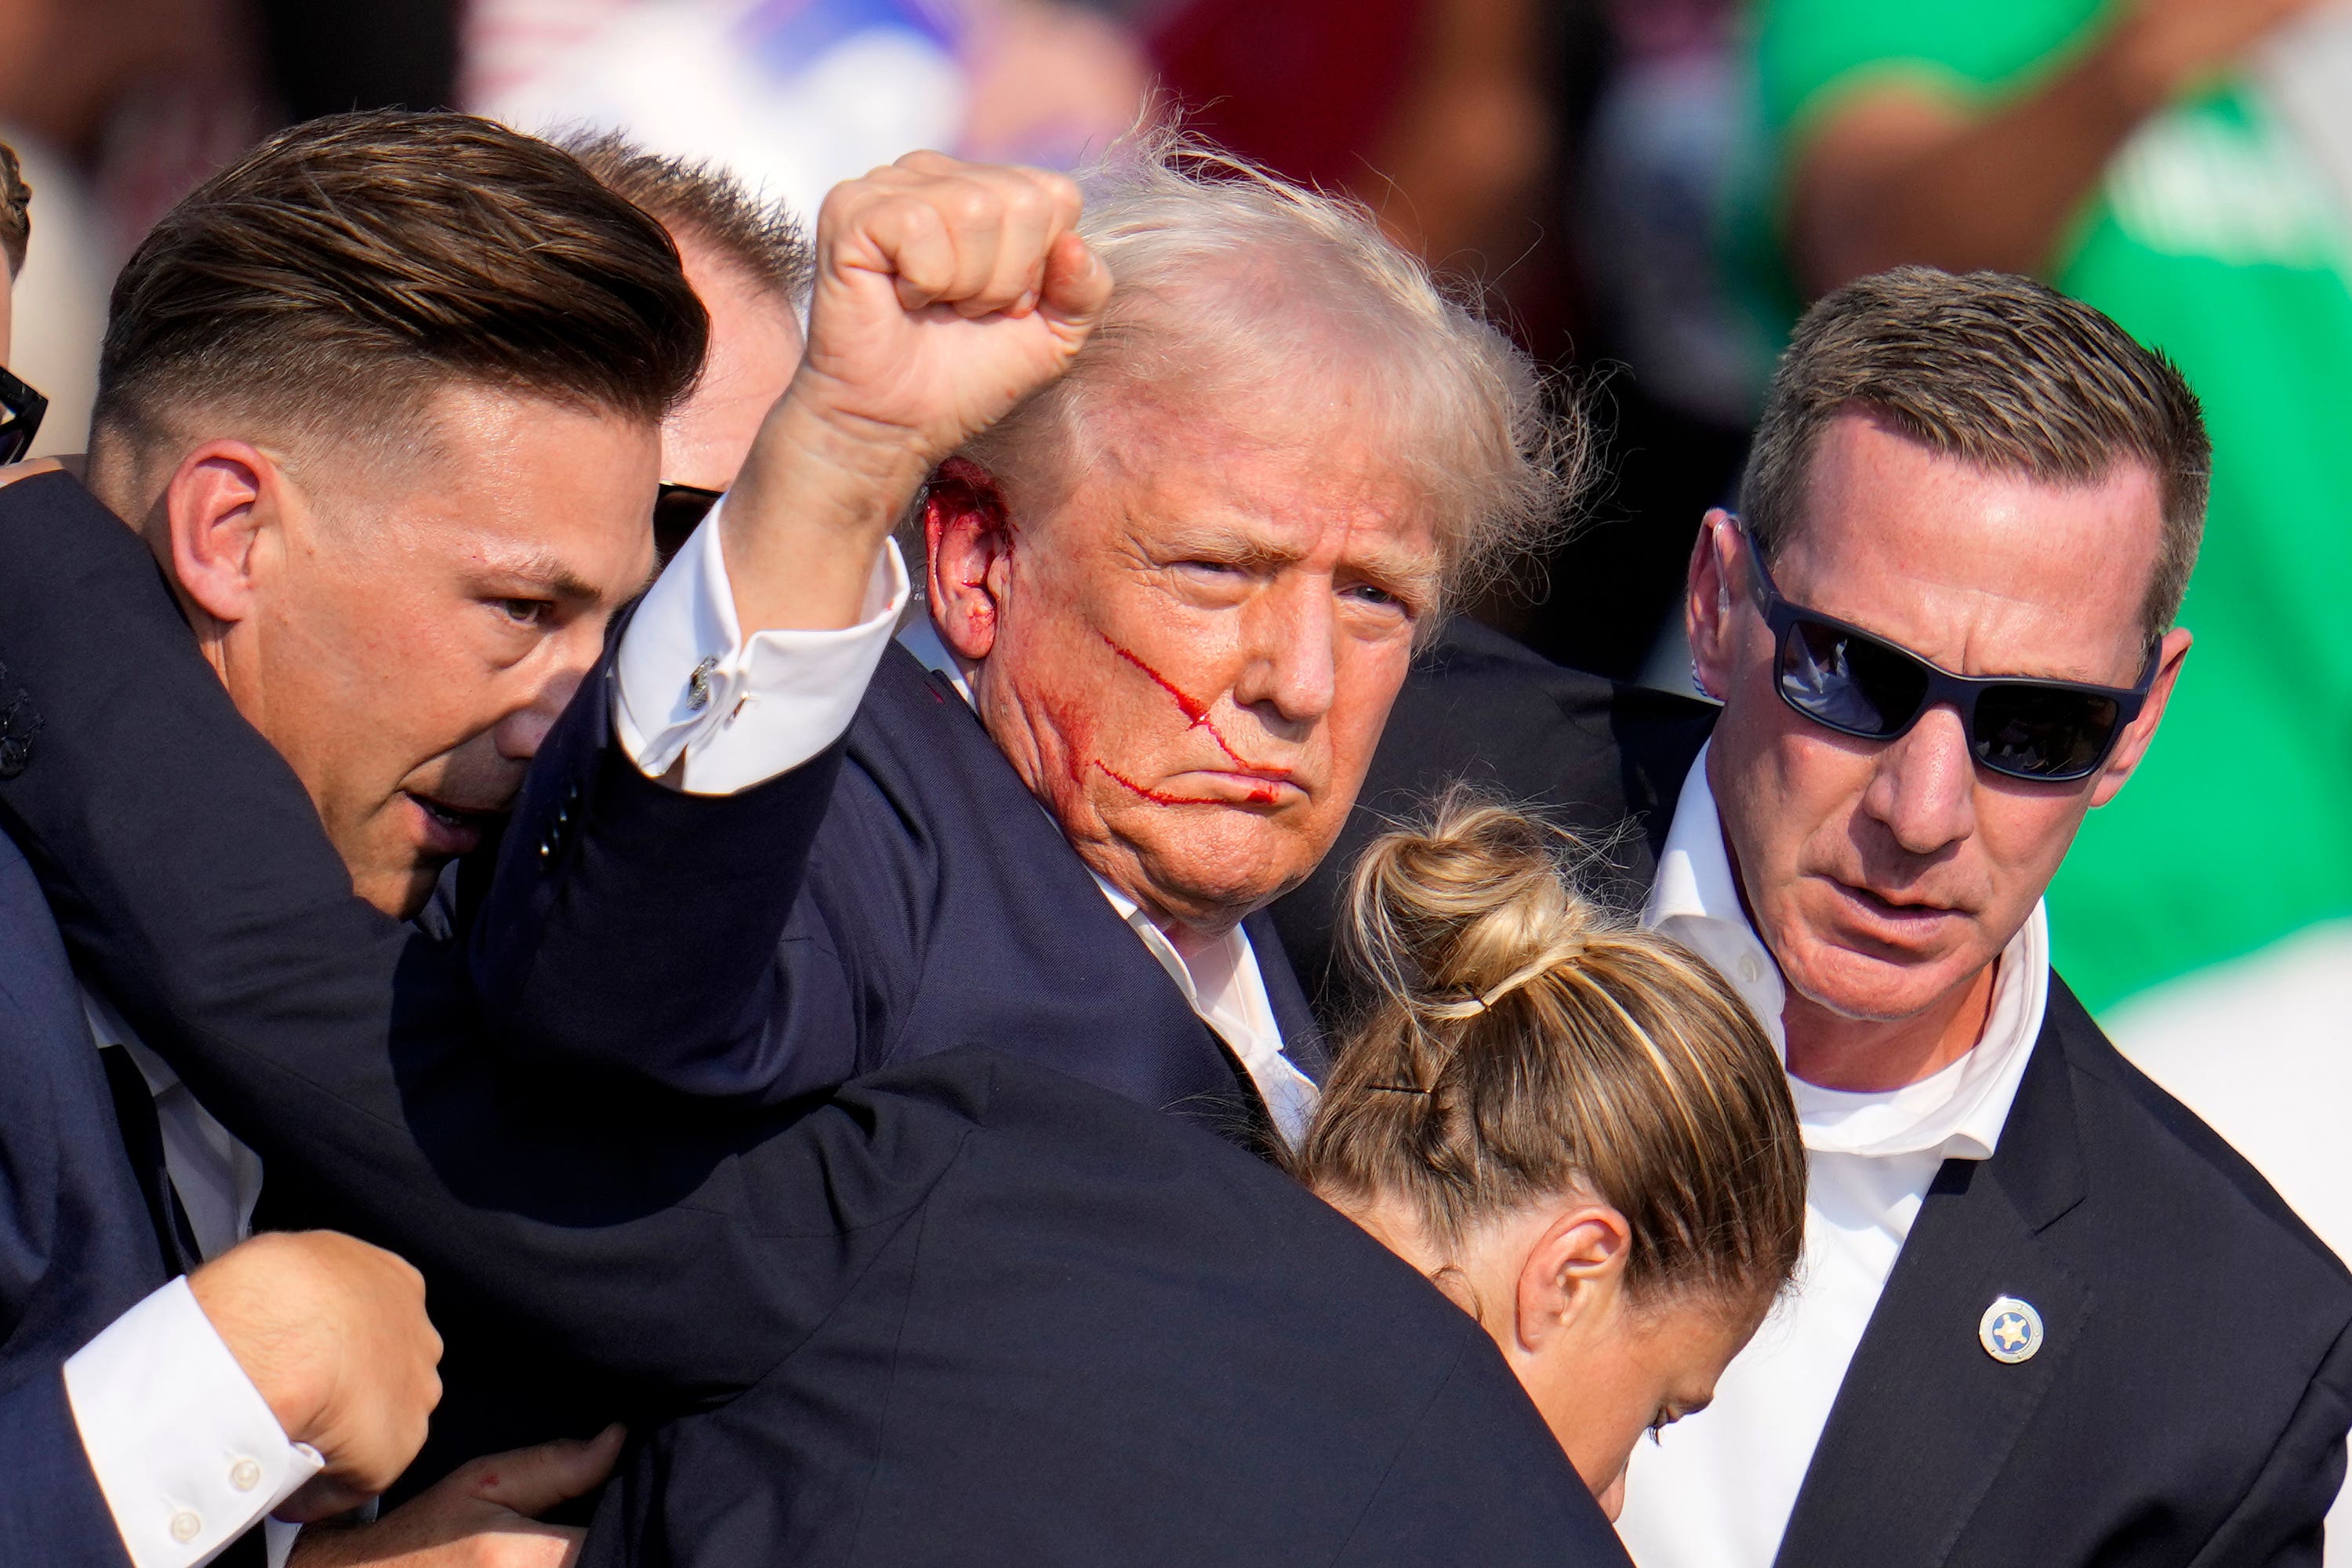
{"x": 972, "y": 1308}
{"x": 147, "y": 1420}
{"x": 2071, "y": 1326}
{"x": 398, "y": 530}
{"x": 1145, "y": 690}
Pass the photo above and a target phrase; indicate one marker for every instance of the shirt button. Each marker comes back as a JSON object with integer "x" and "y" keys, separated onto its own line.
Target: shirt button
{"x": 185, "y": 1527}
{"x": 1751, "y": 970}
{"x": 245, "y": 1475}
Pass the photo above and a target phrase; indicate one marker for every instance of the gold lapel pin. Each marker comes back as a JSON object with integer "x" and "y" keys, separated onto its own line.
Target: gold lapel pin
{"x": 2009, "y": 1330}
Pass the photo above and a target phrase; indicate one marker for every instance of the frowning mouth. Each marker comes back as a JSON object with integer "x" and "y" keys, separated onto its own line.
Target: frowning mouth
{"x": 1245, "y": 788}
{"x": 1900, "y": 910}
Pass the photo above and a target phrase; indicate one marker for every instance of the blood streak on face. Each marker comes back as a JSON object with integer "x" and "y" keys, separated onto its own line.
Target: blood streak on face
{"x": 1194, "y": 710}
{"x": 1259, "y": 795}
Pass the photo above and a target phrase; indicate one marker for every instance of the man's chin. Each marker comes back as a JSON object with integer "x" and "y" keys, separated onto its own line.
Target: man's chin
{"x": 402, "y": 894}
{"x": 1870, "y": 986}
{"x": 1212, "y": 880}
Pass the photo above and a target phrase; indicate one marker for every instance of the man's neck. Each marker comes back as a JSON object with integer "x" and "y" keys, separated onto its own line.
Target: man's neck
{"x": 1870, "y": 1056}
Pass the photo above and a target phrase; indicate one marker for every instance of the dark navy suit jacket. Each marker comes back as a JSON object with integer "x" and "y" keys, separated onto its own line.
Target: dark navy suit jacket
{"x": 969, "y": 1310}
{"x": 77, "y": 1244}
{"x": 931, "y": 904}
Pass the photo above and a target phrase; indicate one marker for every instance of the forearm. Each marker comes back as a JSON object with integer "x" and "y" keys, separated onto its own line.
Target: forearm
{"x": 810, "y": 510}
{"x": 1900, "y": 176}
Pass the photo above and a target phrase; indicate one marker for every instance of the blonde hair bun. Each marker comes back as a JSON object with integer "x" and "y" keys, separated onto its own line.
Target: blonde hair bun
{"x": 1523, "y": 1041}
{"x": 1467, "y": 908}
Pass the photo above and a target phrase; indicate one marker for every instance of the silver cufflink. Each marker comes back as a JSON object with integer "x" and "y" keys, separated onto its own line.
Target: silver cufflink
{"x": 2009, "y": 1330}
{"x": 698, "y": 685}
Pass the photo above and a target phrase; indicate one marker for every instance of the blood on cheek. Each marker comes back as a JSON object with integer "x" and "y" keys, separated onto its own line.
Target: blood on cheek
{"x": 1196, "y": 714}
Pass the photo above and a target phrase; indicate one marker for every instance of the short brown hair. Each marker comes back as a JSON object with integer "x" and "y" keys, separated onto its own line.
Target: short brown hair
{"x": 347, "y": 267}
{"x": 702, "y": 199}
{"x": 15, "y": 209}
{"x": 1522, "y": 1042}
{"x": 1999, "y": 371}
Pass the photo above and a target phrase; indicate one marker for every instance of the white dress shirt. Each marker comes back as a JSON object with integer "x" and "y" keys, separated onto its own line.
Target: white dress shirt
{"x": 1717, "y": 1489}
{"x": 740, "y": 711}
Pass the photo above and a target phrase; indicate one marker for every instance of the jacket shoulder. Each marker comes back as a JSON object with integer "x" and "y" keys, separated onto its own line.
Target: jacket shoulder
{"x": 2133, "y": 1117}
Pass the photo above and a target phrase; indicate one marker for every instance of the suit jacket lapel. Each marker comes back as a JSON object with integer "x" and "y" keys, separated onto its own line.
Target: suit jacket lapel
{"x": 1925, "y": 1418}
{"x": 1302, "y": 1038}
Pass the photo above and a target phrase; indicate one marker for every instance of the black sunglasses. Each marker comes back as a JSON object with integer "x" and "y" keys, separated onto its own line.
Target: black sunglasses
{"x": 679, "y": 510}
{"x": 22, "y": 408}
{"x": 1858, "y": 683}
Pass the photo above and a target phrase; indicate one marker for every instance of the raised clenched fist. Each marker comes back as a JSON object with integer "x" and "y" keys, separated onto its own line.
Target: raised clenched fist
{"x": 946, "y": 293}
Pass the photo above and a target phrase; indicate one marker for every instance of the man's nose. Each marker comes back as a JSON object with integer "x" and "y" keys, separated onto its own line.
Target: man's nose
{"x": 1293, "y": 667}
{"x": 1924, "y": 788}
{"x": 521, "y": 733}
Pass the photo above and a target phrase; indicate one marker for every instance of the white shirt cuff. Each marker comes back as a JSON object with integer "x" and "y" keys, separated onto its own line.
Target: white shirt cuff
{"x": 185, "y": 1448}
{"x": 741, "y": 711}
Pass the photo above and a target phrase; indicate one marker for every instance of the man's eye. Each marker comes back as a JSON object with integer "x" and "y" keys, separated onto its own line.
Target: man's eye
{"x": 1660, "y": 1422}
{"x": 524, "y": 612}
{"x": 1372, "y": 596}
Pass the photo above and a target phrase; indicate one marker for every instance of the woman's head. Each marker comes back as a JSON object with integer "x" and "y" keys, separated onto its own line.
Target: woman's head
{"x": 1572, "y": 1125}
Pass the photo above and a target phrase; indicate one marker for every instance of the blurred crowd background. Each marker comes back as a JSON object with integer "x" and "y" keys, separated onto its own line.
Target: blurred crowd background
{"x": 1645, "y": 191}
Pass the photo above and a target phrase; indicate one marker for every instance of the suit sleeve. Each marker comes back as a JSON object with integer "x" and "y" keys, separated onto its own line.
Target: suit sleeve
{"x": 2281, "y": 1522}
{"x": 51, "y": 1510}
{"x": 192, "y": 880}
{"x": 633, "y": 929}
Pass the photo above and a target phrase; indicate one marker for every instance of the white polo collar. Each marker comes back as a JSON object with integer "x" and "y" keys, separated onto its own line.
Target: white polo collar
{"x": 1958, "y": 1112}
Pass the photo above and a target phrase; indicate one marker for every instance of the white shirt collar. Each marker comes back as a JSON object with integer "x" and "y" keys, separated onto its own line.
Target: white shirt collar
{"x": 1958, "y": 1112}
{"x": 1221, "y": 983}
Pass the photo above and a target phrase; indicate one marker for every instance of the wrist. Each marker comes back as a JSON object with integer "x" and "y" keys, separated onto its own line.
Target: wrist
{"x": 245, "y": 1294}
{"x": 819, "y": 426}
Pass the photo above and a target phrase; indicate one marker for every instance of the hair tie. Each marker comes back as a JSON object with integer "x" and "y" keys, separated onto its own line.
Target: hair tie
{"x": 1394, "y": 1089}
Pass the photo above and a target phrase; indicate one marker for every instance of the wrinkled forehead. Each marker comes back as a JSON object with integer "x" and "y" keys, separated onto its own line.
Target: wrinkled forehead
{"x": 1984, "y": 571}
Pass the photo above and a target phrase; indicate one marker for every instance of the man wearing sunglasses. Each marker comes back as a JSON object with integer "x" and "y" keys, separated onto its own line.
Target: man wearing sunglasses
{"x": 2045, "y": 1316}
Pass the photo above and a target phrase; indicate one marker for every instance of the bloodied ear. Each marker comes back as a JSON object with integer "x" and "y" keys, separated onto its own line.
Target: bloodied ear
{"x": 969, "y": 541}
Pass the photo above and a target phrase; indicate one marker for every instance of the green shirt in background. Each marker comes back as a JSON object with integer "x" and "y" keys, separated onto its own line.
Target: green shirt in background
{"x": 2213, "y": 239}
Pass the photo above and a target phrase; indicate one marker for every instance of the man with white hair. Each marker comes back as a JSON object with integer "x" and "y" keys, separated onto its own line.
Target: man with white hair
{"x": 672, "y": 1261}
{"x": 1170, "y": 599}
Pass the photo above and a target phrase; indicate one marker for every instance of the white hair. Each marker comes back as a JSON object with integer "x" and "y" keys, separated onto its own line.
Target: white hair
{"x": 1230, "y": 280}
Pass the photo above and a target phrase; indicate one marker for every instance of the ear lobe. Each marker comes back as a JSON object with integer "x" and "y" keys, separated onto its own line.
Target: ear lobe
{"x": 2135, "y": 742}
{"x": 969, "y": 542}
{"x": 1575, "y": 1270}
{"x": 219, "y": 503}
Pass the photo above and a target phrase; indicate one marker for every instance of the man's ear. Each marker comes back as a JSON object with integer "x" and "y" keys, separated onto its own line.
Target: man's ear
{"x": 969, "y": 541}
{"x": 2134, "y": 743}
{"x": 219, "y": 513}
{"x": 1708, "y": 597}
{"x": 1577, "y": 1267}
